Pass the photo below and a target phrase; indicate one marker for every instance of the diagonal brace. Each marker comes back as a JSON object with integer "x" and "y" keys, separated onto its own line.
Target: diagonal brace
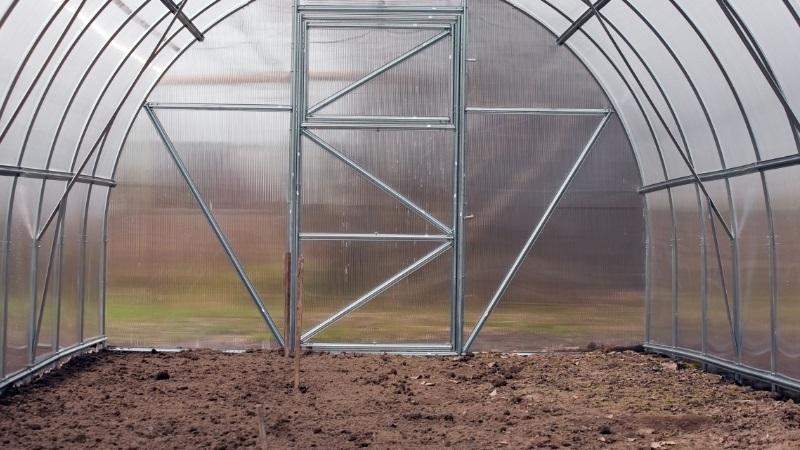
{"x": 376, "y": 291}
{"x": 237, "y": 265}
{"x": 537, "y": 231}
{"x": 377, "y": 182}
{"x": 350, "y": 88}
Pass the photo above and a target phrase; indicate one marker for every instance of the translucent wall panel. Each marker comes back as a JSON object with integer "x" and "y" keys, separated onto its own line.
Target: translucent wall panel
{"x": 691, "y": 267}
{"x": 754, "y": 277}
{"x": 786, "y": 211}
{"x": 416, "y": 310}
{"x": 418, "y": 164}
{"x": 19, "y": 300}
{"x": 245, "y": 59}
{"x": 583, "y": 281}
{"x": 720, "y": 277}
{"x": 149, "y": 302}
{"x": 515, "y": 62}
{"x": 419, "y": 86}
{"x": 660, "y": 253}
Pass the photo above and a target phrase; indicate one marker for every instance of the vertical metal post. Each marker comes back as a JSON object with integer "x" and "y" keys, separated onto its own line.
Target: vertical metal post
{"x": 704, "y": 276}
{"x": 298, "y": 110}
{"x": 459, "y": 118}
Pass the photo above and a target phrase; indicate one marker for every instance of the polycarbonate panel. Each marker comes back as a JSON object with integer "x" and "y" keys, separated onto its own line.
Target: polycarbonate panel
{"x": 246, "y": 59}
{"x": 646, "y": 89}
{"x": 712, "y": 87}
{"x": 418, "y": 164}
{"x": 415, "y": 310}
{"x": 169, "y": 282}
{"x": 93, "y": 263}
{"x": 786, "y": 212}
{"x": 772, "y": 25}
{"x": 720, "y": 279}
{"x": 754, "y": 262}
{"x": 20, "y": 296}
{"x": 583, "y": 282}
{"x": 50, "y": 192}
{"x": 419, "y": 86}
{"x": 514, "y": 166}
{"x": 72, "y": 260}
{"x": 213, "y": 14}
{"x": 239, "y": 162}
{"x": 690, "y": 267}
{"x": 515, "y": 62}
{"x": 681, "y": 100}
{"x": 765, "y": 113}
{"x": 660, "y": 239}
{"x": 606, "y": 73}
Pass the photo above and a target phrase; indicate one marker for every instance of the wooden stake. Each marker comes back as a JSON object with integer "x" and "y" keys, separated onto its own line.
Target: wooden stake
{"x": 298, "y": 350}
{"x": 262, "y": 427}
{"x": 287, "y": 283}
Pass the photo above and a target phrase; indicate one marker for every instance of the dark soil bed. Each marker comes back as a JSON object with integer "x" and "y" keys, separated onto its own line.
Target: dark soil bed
{"x": 204, "y": 399}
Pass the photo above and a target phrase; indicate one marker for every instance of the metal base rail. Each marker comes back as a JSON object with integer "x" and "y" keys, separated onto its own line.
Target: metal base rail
{"x": 52, "y": 361}
{"x": 740, "y": 371}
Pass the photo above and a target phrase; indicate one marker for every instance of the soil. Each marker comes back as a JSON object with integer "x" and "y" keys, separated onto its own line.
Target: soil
{"x": 206, "y": 399}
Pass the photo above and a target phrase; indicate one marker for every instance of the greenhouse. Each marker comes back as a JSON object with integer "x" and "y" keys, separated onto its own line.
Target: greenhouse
{"x": 532, "y": 186}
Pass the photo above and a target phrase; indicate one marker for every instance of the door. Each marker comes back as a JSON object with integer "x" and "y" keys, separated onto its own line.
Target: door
{"x": 376, "y": 178}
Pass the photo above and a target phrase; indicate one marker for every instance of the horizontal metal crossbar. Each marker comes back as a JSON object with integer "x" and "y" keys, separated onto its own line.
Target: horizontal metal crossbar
{"x": 327, "y": 8}
{"x": 46, "y": 174}
{"x": 348, "y": 23}
{"x": 407, "y": 125}
{"x": 760, "y": 166}
{"x": 405, "y": 349}
{"x": 540, "y": 111}
{"x": 220, "y": 106}
{"x": 373, "y": 237}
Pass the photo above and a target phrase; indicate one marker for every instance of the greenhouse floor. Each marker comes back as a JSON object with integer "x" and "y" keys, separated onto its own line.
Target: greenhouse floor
{"x": 206, "y": 399}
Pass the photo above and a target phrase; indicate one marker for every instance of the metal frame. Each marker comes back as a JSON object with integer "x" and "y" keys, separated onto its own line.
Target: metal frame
{"x": 307, "y": 117}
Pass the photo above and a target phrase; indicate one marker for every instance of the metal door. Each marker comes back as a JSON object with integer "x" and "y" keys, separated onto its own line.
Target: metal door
{"x": 376, "y": 177}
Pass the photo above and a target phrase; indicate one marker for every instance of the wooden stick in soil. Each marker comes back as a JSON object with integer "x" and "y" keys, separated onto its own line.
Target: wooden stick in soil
{"x": 298, "y": 350}
{"x": 262, "y": 427}
{"x": 287, "y": 282}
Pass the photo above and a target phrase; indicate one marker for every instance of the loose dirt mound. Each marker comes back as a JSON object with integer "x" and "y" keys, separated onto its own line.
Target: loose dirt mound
{"x": 204, "y": 399}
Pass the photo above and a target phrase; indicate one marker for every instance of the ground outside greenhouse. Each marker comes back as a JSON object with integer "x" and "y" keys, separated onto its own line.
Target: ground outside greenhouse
{"x": 207, "y": 399}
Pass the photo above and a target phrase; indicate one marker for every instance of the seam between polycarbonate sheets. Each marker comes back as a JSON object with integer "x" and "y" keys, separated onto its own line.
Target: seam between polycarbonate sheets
{"x": 626, "y": 125}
